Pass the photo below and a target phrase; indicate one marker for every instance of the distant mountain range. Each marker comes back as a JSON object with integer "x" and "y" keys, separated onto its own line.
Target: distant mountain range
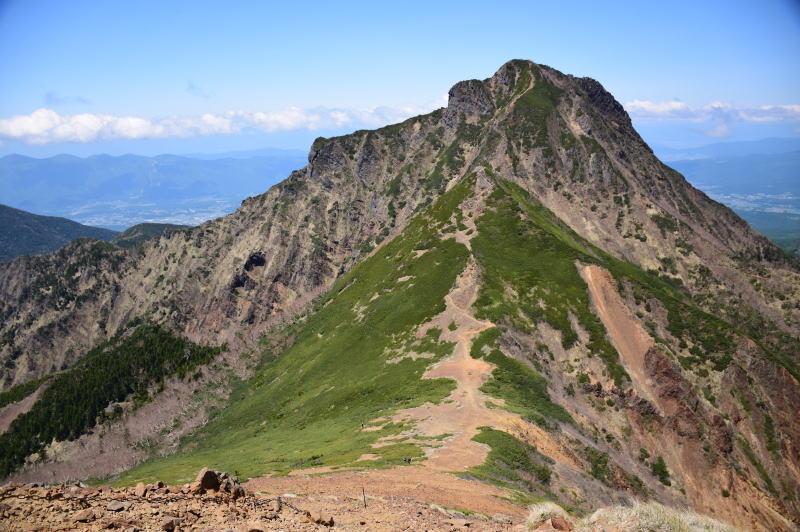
{"x": 121, "y": 191}
{"x": 760, "y": 180}
{"x": 769, "y": 146}
{"x": 23, "y": 233}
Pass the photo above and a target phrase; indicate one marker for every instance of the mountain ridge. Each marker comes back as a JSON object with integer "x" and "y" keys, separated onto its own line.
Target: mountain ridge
{"x": 574, "y": 183}
{"x": 25, "y": 233}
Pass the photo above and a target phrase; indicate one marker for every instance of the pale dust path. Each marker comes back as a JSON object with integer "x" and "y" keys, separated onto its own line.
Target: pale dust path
{"x": 467, "y": 408}
{"x": 628, "y": 336}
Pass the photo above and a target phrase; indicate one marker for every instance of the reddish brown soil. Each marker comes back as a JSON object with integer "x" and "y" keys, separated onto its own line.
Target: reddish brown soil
{"x": 71, "y": 508}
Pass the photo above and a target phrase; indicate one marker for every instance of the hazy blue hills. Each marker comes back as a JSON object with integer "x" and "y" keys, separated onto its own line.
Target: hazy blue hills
{"x": 760, "y": 180}
{"x": 121, "y": 191}
{"x": 23, "y": 233}
{"x": 769, "y": 146}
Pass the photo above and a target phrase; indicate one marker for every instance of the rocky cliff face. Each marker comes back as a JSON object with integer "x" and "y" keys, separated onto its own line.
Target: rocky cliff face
{"x": 706, "y": 378}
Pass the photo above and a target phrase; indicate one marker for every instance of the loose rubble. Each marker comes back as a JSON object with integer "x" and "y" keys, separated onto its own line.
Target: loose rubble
{"x": 214, "y": 501}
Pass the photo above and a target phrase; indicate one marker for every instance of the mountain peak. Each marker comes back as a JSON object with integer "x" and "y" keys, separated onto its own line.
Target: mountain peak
{"x": 523, "y": 247}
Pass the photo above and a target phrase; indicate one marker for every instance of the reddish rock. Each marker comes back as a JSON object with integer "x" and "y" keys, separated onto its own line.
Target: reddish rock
{"x": 170, "y": 523}
{"x": 319, "y": 518}
{"x": 206, "y": 480}
{"x": 84, "y": 516}
{"x": 559, "y": 523}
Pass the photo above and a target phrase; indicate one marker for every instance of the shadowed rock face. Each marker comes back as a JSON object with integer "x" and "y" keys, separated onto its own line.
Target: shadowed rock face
{"x": 570, "y": 145}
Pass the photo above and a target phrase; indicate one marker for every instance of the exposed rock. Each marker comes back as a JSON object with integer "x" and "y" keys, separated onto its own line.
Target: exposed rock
{"x": 170, "y": 523}
{"x": 459, "y": 523}
{"x": 206, "y": 480}
{"x": 559, "y": 523}
{"x": 117, "y": 506}
{"x": 319, "y": 518}
{"x": 83, "y": 516}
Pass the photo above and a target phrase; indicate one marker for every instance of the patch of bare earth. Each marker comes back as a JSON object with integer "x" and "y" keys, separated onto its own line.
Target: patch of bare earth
{"x": 627, "y": 335}
{"x": 417, "y": 485}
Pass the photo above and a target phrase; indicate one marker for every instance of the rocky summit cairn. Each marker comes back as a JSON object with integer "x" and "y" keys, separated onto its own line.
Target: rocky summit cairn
{"x": 209, "y": 480}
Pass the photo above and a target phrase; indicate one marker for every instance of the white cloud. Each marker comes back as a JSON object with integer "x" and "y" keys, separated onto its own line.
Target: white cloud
{"x": 44, "y": 126}
{"x": 714, "y": 111}
{"x": 656, "y": 108}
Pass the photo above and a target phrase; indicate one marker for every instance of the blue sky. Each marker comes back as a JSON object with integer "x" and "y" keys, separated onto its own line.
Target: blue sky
{"x": 169, "y": 76}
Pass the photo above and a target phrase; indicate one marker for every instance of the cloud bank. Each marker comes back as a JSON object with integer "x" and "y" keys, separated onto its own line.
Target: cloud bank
{"x": 45, "y": 126}
{"x": 713, "y": 112}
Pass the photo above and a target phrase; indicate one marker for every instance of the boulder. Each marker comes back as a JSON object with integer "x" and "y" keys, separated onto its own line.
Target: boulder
{"x": 319, "y": 518}
{"x": 117, "y": 506}
{"x": 206, "y": 480}
{"x": 140, "y": 490}
{"x": 83, "y": 516}
{"x": 170, "y": 523}
{"x": 559, "y": 523}
{"x": 275, "y": 505}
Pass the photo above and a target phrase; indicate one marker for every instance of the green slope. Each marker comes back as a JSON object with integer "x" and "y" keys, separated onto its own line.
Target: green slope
{"x": 23, "y": 233}
{"x": 307, "y": 404}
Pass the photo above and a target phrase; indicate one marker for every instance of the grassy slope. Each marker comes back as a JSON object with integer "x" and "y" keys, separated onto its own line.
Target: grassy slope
{"x": 530, "y": 276}
{"x": 307, "y": 406}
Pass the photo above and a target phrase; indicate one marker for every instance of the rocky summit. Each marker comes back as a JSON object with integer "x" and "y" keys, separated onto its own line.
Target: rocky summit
{"x": 507, "y": 301}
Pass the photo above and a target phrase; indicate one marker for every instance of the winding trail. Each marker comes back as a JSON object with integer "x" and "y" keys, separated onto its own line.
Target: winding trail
{"x": 459, "y": 416}
{"x": 467, "y": 408}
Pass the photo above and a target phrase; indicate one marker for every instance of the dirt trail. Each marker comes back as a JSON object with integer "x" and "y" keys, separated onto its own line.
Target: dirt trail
{"x": 413, "y": 482}
{"x": 467, "y": 408}
{"x": 460, "y": 415}
{"x": 628, "y": 336}
{"x": 464, "y": 410}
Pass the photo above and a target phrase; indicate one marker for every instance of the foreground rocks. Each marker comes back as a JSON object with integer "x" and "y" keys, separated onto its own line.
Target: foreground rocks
{"x": 214, "y": 501}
